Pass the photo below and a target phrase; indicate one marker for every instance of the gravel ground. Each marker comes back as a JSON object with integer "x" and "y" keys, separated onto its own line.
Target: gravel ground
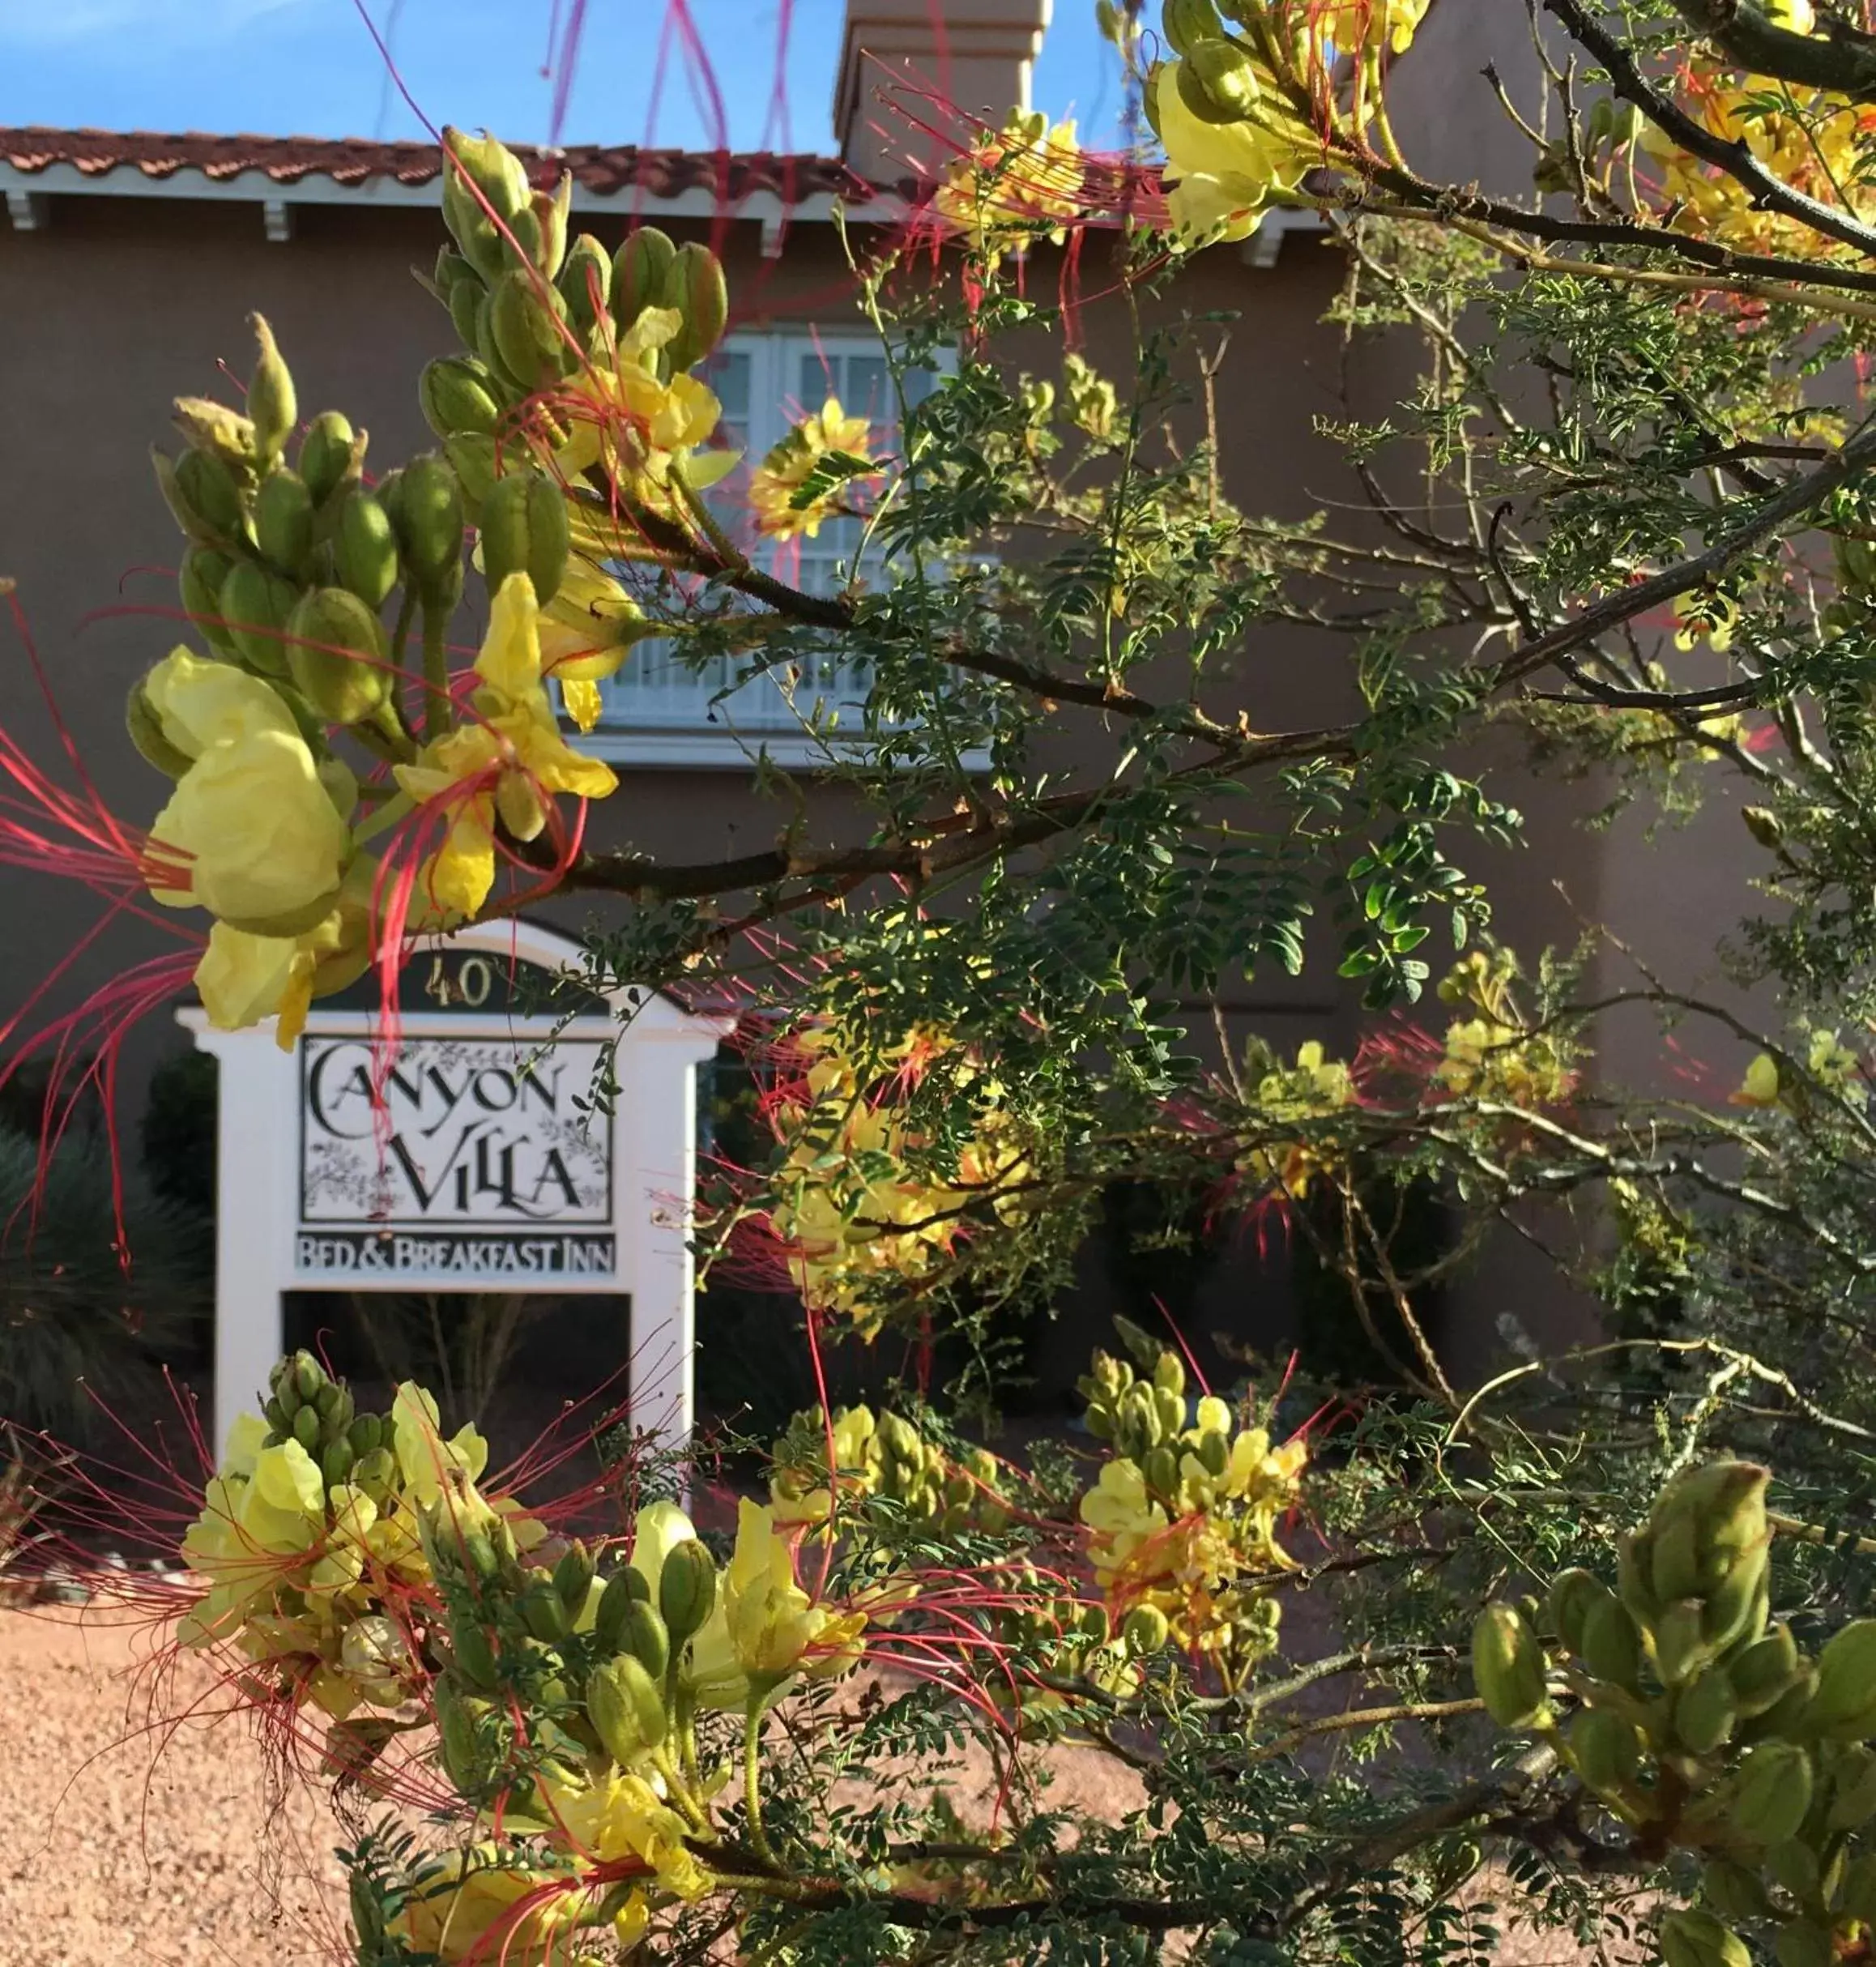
{"x": 121, "y": 1844}
{"x": 117, "y": 1845}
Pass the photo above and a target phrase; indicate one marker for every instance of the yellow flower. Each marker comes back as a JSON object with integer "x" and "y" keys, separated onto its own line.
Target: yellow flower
{"x": 774, "y": 482}
{"x": 252, "y": 1527}
{"x": 200, "y": 703}
{"x": 622, "y": 1815}
{"x": 243, "y": 978}
{"x": 1760, "y": 1086}
{"x": 1222, "y": 174}
{"x": 1025, "y": 176}
{"x": 641, "y": 429}
{"x": 587, "y": 631}
{"x": 503, "y": 766}
{"x": 657, "y": 1530}
{"x": 251, "y": 834}
{"x": 791, "y": 1501}
{"x": 428, "y": 1462}
{"x": 471, "y": 1903}
{"x": 764, "y": 1625}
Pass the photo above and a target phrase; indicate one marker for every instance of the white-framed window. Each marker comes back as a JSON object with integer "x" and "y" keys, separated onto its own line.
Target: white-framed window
{"x": 659, "y": 710}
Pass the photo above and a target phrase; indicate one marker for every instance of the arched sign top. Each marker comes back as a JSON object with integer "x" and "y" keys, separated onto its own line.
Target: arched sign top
{"x": 512, "y": 1140}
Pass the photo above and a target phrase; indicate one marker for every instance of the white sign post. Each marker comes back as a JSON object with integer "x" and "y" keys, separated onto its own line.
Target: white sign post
{"x": 473, "y": 1158}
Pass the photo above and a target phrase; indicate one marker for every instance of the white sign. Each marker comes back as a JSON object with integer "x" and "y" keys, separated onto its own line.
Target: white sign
{"x": 470, "y": 1154}
{"x": 474, "y": 1156}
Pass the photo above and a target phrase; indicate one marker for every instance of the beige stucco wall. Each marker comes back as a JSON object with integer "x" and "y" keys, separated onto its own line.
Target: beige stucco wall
{"x": 121, "y": 304}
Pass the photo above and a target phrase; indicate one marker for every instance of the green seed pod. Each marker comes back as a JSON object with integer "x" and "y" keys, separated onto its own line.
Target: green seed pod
{"x": 306, "y": 1429}
{"x": 1733, "y": 1891}
{"x": 525, "y": 323}
{"x": 256, "y": 605}
{"x": 1705, "y": 1711}
{"x": 646, "y": 1638}
{"x": 625, "y": 1709}
{"x": 457, "y": 393}
{"x": 1604, "y": 1750}
{"x": 1694, "y": 1939}
{"x": 429, "y": 518}
{"x": 523, "y": 530}
{"x": 586, "y": 285}
{"x": 283, "y": 521}
{"x": 1144, "y": 1631}
{"x": 145, "y": 732}
{"x": 1571, "y": 1594}
{"x": 1843, "y": 1708}
{"x": 1507, "y": 1664}
{"x": 687, "y": 1590}
{"x": 325, "y": 453}
{"x": 701, "y": 294}
{"x": 641, "y": 274}
{"x": 337, "y": 656}
{"x": 272, "y": 405}
{"x": 573, "y": 1578}
{"x": 1771, "y": 1794}
{"x": 364, "y": 548}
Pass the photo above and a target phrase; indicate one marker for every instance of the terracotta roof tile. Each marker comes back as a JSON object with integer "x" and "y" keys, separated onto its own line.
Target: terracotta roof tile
{"x": 603, "y": 169}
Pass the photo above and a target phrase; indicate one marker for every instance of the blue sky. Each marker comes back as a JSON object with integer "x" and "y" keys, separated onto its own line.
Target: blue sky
{"x": 309, "y": 67}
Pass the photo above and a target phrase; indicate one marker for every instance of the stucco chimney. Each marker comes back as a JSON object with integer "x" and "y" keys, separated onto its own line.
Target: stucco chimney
{"x": 941, "y": 62}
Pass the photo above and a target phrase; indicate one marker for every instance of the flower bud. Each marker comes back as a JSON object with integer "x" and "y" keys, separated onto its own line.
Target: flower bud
{"x": 325, "y": 453}
{"x": 1507, "y": 1664}
{"x": 199, "y": 583}
{"x": 1853, "y": 1788}
{"x": 526, "y": 324}
{"x": 457, "y": 1737}
{"x": 573, "y": 1578}
{"x": 1604, "y": 1749}
{"x": 641, "y": 275}
{"x": 1145, "y": 1631}
{"x": 1681, "y": 1648}
{"x": 1843, "y": 1707}
{"x": 1761, "y": 1673}
{"x": 623, "y": 1588}
{"x": 216, "y": 431}
{"x": 550, "y": 210}
{"x": 483, "y": 181}
{"x": 1570, "y": 1596}
{"x": 586, "y": 285}
{"x": 145, "y": 732}
{"x": 1803, "y": 1943}
{"x": 1705, "y": 1711}
{"x": 523, "y": 529}
{"x": 283, "y": 521}
{"x": 542, "y": 1611}
{"x": 335, "y": 1461}
{"x": 1184, "y": 22}
{"x": 1690, "y": 1938}
{"x": 365, "y": 1433}
{"x": 1771, "y": 1794}
{"x": 1222, "y": 76}
{"x": 1857, "y": 1899}
{"x": 306, "y": 1429}
{"x": 336, "y": 655}
{"x": 687, "y": 1589}
{"x": 375, "y": 1655}
{"x": 702, "y": 294}
{"x": 468, "y": 302}
{"x": 645, "y": 1636}
{"x": 1733, "y": 1891}
{"x": 457, "y": 393}
{"x": 625, "y": 1709}
{"x": 429, "y": 518}
{"x": 272, "y": 405}
{"x": 256, "y": 605}
{"x": 364, "y": 548}
{"x": 202, "y": 496}
{"x": 1764, "y": 825}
